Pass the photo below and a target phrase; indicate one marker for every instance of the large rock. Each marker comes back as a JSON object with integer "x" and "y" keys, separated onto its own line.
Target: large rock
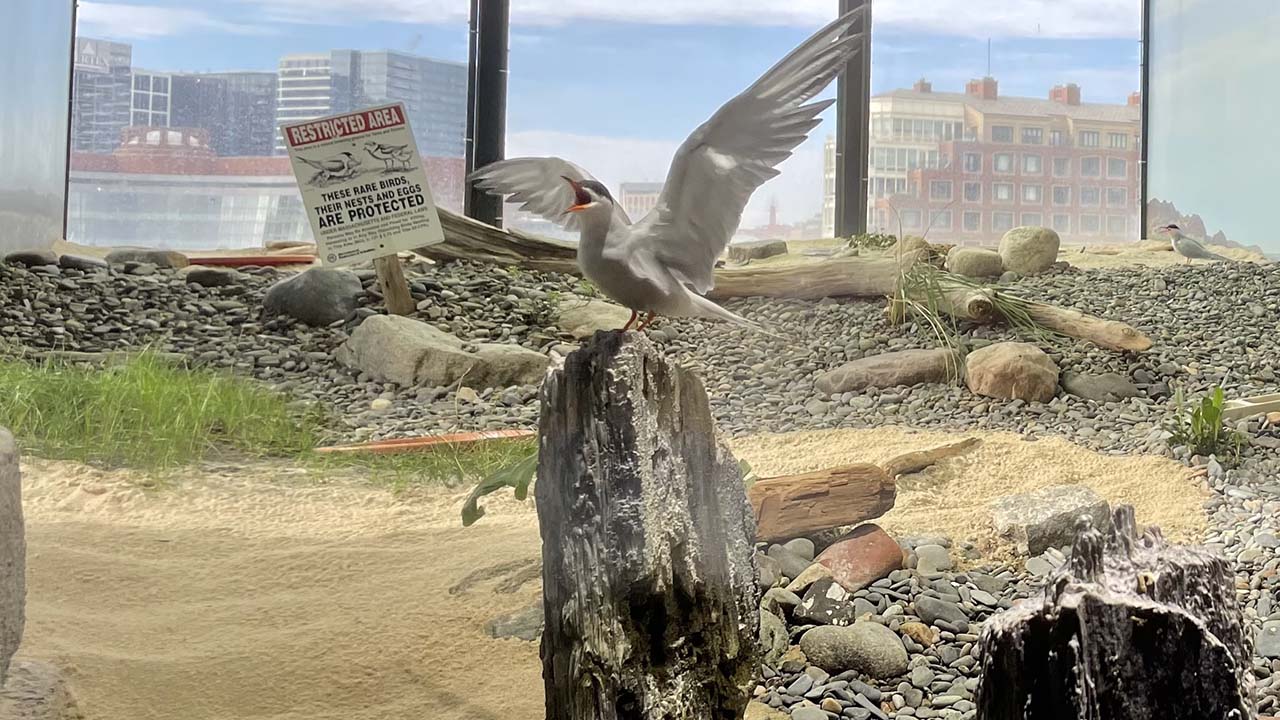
{"x": 1012, "y": 370}
{"x": 1107, "y": 387}
{"x": 159, "y": 258}
{"x": 13, "y": 554}
{"x": 974, "y": 262}
{"x": 214, "y": 276}
{"x": 792, "y": 562}
{"x": 31, "y": 258}
{"x": 581, "y": 318}
{"x": 391, "y": 348}
{"x": 318, "y": 296}
{"x": 905, "y": 367}
{"x": 773, "y": 638}
{"x": 759, "y": 711}
{"x": 82, "y": 262}
{"x": 825, "y": 603}
{"x": 931, "y": 610}
{"x": 745, "y": 252}
{"x": 1029, "y": 250}
{"x": 1045, "y": 518}
{"x": 865, "y": 646}
{"x": 861, "y": 557}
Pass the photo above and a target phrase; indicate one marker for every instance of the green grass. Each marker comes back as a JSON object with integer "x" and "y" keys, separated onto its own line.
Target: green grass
{"x": 1199, "y": 426}
{"x": 448, "y": 464}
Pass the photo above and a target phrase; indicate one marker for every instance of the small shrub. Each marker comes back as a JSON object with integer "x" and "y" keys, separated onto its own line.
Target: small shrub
{"x": 1199, "y": 427}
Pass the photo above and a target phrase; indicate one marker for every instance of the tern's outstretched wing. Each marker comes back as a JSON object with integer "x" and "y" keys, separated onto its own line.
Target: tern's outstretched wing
{"x": 722, "y": 163}
{"x": 538, "y": 184}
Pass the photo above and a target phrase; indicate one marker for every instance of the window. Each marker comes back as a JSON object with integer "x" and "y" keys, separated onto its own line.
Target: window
{"x": 973, "y": 192}
{"x": 1061, "y": 194}
{"x": 1061, "y": 223}
{"x": 160, "y": 85}
{"x": 1061, "y": 167}
{"x": 1032, "y": 219}
{"x": 142, "y": 82}
{"x": 1117, "y": 168}
{"x": 1089, "y": 138}
{"x": 1003, "y": 162}
{"x": 1032, "y": 165}
{"x": 1032, "y": 136}
{"x": 1090, "y": 196}
{"x": 1001, "y": 222}
{"x": 972, "y": 162}
{"x": 1032, "y": 194}
{"x": 910, "y": 219}
{"x": 942, "y": 220}
{"x": 940, "y": 190}
{"x": 1117, "y": 197}
{"x": 1117, "y": 224}
{"x": 1001, "y": 133}
{"x": 1002, "y": 192}
{"x": 972, "y": 221}
{"x": 1119, "y": 141}
{"x": 140, "y": 102}
{"x": 1091, "y": 167}
{"x": 1056, "y": 138}
{"x": 1090, "y": 224}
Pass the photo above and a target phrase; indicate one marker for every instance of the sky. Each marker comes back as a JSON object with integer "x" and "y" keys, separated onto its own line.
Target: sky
{"x": 616, "y": 87}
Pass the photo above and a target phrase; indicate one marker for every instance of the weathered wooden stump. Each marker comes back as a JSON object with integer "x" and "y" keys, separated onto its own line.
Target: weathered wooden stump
{"x": 649, "y": 581}
{"x": 1130, "y": 629}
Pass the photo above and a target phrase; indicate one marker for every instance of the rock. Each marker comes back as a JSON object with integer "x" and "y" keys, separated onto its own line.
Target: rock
{"x": 37, "y": 690}
{"x": 921, "y": 633}
{"x": 1012, "y": 370}
{"x": 891, "y": 369}
{"x": 811, "y": 575}
{"x": 390, "y": 348}
{"x": 993, "y": 584}
{"x": 1107, "y": 387}
{"x": 160, "y": 258}
{"x": 793, "y": 564}
{"x": 793, "y": 661}
{"x": 933, "y": 558}
{"x": 808, "y": 712}
{"x": 773, "y": 638}
{"x": 82, "y": 262}
{"x": 1008, "y": 276}
{"x": 1029, "y": 250}
{"x": 932, "y": 609}
{"x": 379, "y": 404}
{"x": 1273, "y": 418}
{"x": 802, "y": 547}
{"x": 780, "y": 601}
{"x": 13, "y": 554}
{"x": 861, "y": 557}
{"x": 1267, "y": 642}
{"x": 745, "y": 252}
{"x": 974, "y": 262}
{"x": 866, "y": 646}
{"x": 582, "y": 318}
{"x": 1039, "y": 567}
{"x": 214, "y": 276}
{"x": 910, "y": 243}
{"x": 467, "y": 395}
{"x": 760, "y": 711}
{"x": 769, "y": 571}
{"x": 31, "y": 258}
{"x": 1045, "y": 518}
{"x": 523, "y": 624}
{"x": 140, "y": 269}
{"x": 921, "y": 676}
{"x": 318, "y": 296}
{"x": 825, "y": 603}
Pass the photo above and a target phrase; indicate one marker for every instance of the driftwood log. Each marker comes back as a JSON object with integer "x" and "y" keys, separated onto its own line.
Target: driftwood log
{"x": 649, "y": 579}
{"x": 1131, "y": 629}
{"x": 1110, "y": 334}
{"x": 795, "y": 505}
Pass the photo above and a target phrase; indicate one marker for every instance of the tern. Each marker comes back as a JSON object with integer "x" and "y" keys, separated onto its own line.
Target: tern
{"x": 664, "y": 264}
{"x": 1189, "y": 248}
{"x": 336, "y": 167}
{"x": 389, "y": 154}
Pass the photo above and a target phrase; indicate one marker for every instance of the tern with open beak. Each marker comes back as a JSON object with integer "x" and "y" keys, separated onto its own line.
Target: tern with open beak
{"x": 663, "y": 264}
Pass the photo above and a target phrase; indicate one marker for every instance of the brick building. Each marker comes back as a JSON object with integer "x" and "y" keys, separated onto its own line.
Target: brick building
{"x": 966, "y": 167}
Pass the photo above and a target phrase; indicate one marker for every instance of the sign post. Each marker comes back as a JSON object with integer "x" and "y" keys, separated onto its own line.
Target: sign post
{"x": 365, "y": 192}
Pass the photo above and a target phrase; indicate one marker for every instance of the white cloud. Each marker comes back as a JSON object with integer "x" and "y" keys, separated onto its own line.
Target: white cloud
{"x": 119, "y": 20}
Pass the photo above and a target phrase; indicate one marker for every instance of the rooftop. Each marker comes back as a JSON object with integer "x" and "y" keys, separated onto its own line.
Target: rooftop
{"x": 1026, "y": 107}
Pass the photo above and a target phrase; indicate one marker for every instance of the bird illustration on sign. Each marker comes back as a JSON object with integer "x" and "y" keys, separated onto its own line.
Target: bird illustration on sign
{"x": 390, "y": 155}
{"x": 342, "y": 166}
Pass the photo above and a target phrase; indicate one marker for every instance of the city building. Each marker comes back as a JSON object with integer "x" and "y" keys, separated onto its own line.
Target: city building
{"x": 434, "y": 92}
{"x": 829, "y": 187}
{"x": 101, "y": 94}
{"x": 966, "y": 167}
{"x": 638, "y": 198}
{"x": 237, "y": 108}
{"x": 150, "y": 99}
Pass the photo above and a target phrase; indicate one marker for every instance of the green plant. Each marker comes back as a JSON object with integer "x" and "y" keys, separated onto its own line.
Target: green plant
{"x": 872, "y": 241}
{"x": 1199, "y": 427}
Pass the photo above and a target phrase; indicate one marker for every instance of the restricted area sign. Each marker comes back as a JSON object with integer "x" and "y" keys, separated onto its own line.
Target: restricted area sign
{"x": 363, "y": 185}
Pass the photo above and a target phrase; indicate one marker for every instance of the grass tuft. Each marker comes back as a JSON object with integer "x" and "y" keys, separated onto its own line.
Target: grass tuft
{"x": 1199, "y": 426}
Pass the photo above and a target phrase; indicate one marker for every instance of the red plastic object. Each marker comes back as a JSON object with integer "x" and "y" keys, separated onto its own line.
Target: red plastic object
{"x": 242, "y": 260}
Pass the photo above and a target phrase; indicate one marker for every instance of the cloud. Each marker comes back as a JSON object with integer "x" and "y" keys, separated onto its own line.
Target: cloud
{"x": 120, "y": 20}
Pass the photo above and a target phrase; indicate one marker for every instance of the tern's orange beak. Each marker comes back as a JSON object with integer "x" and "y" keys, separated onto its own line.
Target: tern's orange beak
{"x": 577, "y": 208}
{"x": 580, "y": 197}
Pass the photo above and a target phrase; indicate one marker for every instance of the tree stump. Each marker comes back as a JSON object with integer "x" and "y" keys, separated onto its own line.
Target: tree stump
{"x": 649, "y": 579}
{"x": 1130, "y": 629}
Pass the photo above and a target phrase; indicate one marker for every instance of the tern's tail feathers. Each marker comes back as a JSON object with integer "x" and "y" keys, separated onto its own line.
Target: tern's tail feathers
{"x": 703, "y": 307}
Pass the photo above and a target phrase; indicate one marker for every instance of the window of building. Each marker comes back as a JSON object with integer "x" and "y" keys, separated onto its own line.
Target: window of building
{"x": 1117, "y": 225}
{"x": 1061, "y": 167}
{"x": 1002, "y": 192}
{"x": 142, "y": 82}
{"x": 1032, "y": 193}
{"x": 1090, "y": 196}
{"x": 1117, "y": 197}
{"x": 1001, "y": 221}
{"x": 910, "y": 219}
{"x": 1057, "y": 138}
{"x": 972, "y": 221}
{"x": 1090, "y": 224}
{"x": 1001, "y": 133}
{"x": 1061, "y": 194}
{"x": 1061, "y": 223}
{"x": 1119, "y": 141}
{"x": 1117, "y": 168}
{"x": 940, "y": 190}
{"x": 1033, "y": 219}
{"x": 1032, "y": 136}
{"x": 160, "y": 85}
{"x": 972, "y": 162}
{"x": 1091, "y": 167}
{"x": 1090, "y": 138}
{"x": 1003, "y": 162}
{"x": 140, "y": 102}
{"x": 941, "y": 220}
{"x": 1032, "y": 164}
{"x": 973, "y": 192}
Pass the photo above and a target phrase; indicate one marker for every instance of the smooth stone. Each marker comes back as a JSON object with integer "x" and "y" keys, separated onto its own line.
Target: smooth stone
{"x": 867, "y": 647}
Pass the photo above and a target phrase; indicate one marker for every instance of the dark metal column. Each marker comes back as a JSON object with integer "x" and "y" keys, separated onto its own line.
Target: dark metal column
{"x": 853, "y": 92}
{"x": 1145, "y": 88}
{"x": 487, "y": 100}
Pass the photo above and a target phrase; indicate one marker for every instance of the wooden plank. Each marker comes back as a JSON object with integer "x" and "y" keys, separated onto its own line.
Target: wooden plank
{"x": 794, "y": 505}
{"x": 1250, "y": 406}
{"x": 394, "y": 286}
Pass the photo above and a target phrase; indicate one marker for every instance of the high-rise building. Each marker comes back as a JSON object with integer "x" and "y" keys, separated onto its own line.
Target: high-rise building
{"x": 638, "y": 198}
{"x": 150, "y": 99}
{"x": 434, "y": 92}
{"x": 102, "y": 91}
{"x": 237, "y": 108}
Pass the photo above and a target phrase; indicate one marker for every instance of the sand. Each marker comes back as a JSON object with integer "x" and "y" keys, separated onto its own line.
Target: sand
{"x": 262, "y": 592}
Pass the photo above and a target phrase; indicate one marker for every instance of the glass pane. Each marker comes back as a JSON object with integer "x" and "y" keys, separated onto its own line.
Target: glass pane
{"x": 1006, "y": 79}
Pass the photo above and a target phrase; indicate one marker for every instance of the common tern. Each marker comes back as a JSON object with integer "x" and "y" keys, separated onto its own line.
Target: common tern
{"x": 1189, "y": 248}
